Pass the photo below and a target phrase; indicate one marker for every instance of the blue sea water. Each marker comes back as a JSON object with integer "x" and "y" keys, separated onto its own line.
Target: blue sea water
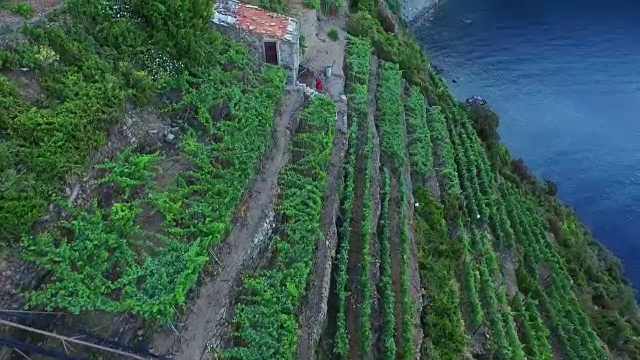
{"x": 564, "y": 76}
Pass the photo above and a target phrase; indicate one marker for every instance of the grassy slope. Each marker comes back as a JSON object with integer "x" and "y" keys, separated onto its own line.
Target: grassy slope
{"x": 91, "y": 64}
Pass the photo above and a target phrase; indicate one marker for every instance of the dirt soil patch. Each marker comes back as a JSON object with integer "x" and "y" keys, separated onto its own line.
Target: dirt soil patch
{"x": 415, "y": 287}
{"x": 207, "y": 325}
{"x": 322, "y": 51}
{"x": 395, "y": 206}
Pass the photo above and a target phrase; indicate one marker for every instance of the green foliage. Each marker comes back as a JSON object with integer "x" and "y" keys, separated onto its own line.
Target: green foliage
{"x": 281, "y": 6}
{"x": 89, "y": 67}
{"x": 163, "y": 279}
{"x": 591, "y": 268}
{"x": 400, "y": 48}
{"x": 485, "y": 122}
{"x": 358, "y": 61}
{"x": 266, "y": 315}
{"x": 366, "y": 291}
{"x": 390, "y": 115}
{"x": 341, "y": 342}
{"x": 366, "y": 6}
{"x": 567, "y": 319}
{"x": 443, "y": 153}
{"x": 313, "y": 4}
{"x": 444, "y": 331}
{"x": 386, "y": 292}
{"x": 332, "y": 7}
{"x": 419, "y": 142}
{"x": 129, "y": 170}
{"x": 23, "y": 9}
{"x": 333, "y": 34}
{"x": 45, "y": 144}
{"x": 231, "y": 161}
{"x": 358, "y": 70}
{"x": 110, "y": 264}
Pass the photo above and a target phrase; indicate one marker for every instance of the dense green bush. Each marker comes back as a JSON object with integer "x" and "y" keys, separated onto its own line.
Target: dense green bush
{"x": 444, "y": 331}
{"x": 333, "y": 34}
{"x": 89, "y": 65}
{"x": 390, "y": 115}
{"x": 23, "y": 9}
{"x": 485, "y": 122}
{"x": 419, "y": 141}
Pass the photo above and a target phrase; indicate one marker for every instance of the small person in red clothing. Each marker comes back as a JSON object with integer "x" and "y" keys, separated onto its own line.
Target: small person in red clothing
{"x": 319, "y": 84}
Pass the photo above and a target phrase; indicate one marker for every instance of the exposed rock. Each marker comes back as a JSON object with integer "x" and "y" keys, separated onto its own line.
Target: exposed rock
{"x": 415, "y": 10}
{"x": 436, "y": 69}
{"x": 387, "y": 18}
{"x": 475, "y": 101}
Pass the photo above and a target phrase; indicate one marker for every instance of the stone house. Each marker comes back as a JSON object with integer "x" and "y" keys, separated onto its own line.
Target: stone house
{"x": 270, "y": 36}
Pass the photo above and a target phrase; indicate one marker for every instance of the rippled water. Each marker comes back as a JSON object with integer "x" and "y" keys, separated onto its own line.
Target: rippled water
{"x": 564, "y": 76}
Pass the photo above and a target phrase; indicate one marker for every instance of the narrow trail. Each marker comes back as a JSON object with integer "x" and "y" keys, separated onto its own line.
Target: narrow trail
{"x": 395, "y": 207}
{"x": 314, "y": 313}
{"x": 355, "y": 250}
{"x": 207, "y": 325}
{"x": 415, "y": 286}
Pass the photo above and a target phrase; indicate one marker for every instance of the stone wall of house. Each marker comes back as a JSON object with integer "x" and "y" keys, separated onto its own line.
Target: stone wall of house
{"x": 289, "y": 58}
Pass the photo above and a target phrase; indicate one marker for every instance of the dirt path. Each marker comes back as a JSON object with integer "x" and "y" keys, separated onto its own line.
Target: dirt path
{"x": 207, "y": 325}
{"x": 415, "y": 287}
{"x": 314, "y": 313}
{"x": 395, "y": 206}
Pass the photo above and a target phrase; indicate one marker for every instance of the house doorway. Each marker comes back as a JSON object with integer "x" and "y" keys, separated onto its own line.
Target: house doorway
{"x": 270, "y": 52}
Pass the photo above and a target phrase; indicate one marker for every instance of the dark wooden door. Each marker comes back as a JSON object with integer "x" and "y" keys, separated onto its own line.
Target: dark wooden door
{"x": 270, "y": 52}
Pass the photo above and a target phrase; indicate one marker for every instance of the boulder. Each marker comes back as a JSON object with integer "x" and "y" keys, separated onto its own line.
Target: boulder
{"x": 475, "y": 101}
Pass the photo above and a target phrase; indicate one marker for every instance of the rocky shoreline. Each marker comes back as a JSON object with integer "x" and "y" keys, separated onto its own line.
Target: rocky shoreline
{"x": 414, "y": 11}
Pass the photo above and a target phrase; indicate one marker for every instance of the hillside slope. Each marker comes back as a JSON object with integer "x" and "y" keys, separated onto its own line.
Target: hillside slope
{"x": 163, "y": 193}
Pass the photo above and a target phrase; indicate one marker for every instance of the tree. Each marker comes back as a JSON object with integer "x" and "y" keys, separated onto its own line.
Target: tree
{"x": 550, "y": 188}
{"x": 176, "y": 23}
{"x": 486, "y": 123}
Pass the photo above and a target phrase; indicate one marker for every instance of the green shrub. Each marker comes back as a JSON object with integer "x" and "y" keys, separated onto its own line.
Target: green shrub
{"x": 333, "y": 34}
{"x": 312, "y": 4}
{"x": 23, "y": 9}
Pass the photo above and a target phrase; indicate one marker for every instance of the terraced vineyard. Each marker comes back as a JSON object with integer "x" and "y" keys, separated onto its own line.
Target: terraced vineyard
{"x": 481, "y": 241}
{"x": 223, "y": 214}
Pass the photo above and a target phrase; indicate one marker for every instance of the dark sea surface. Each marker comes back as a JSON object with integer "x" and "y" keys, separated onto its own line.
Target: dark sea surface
{"x": 564, "y": 76}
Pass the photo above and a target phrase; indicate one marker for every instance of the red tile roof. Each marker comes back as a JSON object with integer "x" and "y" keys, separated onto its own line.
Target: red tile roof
{"x": 253, "y": 19}
{"x": 258, "y": 21}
